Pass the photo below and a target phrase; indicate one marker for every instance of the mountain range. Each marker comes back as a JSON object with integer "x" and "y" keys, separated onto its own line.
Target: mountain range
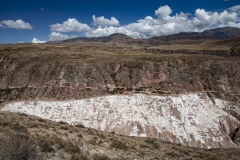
{"x": 215, "y": 34}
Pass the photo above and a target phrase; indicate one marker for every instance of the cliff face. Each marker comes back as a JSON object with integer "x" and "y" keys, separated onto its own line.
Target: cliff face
{"x": 49, "y": 77}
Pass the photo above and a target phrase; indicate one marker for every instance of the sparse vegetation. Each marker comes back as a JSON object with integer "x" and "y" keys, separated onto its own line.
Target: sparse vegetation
{"x": 118, "y": 145}
{"x": 64, "y": 128}
{"x": 71, "y": 148}
{"x": 100, "y": 157}
{"x": 55, "y": 142}
{"x": 152, "y": 142}
{"x": 15, "y": 145}
{"x": 45, "y": 145}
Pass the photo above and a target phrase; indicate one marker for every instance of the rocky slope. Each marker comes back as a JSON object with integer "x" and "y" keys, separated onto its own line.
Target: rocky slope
{"x": 218, "y": 33}
{"x": 44, "y": 139}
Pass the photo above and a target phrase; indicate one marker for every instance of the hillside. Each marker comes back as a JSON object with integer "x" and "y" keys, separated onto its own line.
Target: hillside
{"x": 216, "y": 34}
{"x": 62, "y": 141}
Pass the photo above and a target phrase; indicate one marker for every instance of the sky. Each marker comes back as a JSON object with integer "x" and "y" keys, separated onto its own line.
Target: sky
{"x": 39, "y": 21}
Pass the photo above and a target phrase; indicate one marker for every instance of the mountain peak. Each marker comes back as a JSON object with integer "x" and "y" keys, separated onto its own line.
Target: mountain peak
{"x": 119, "y": 35}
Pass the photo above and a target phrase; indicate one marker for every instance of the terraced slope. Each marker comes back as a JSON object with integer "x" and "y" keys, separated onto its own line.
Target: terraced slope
{"x": 191, "y": 119}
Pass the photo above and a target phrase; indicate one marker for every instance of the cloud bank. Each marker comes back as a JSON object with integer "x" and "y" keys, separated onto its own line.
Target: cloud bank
{"x": 163, "y": 23}
{"x": 235, "y": 8}
{"x": 18, "y": 24}
{"x": 71, "y": 25}
{"x": 35, "y": 40}
{"x": 56, "y": 36}
{"x": 103, "y": 22}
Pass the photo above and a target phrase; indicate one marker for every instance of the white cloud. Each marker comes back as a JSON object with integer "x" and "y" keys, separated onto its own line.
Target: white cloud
{"x": 163, "y": 13}
{"x": 41, "y": 8}
{"x": 20, "y": 42}
{"x": 1, "y": 26}
{"x": 165, "y": 23}
{"x": 101, "y": 21}
{"x": 207, "y": 20}
{"x": 71, "y": 25}
{"x": 56, "y": 36}
{"x": 35, "y": 40}
{"x": 235, "y": 8}
{"x": 18, "y": 24}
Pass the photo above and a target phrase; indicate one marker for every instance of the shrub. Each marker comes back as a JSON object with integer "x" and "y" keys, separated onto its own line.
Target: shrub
{"x": 42, "y": 120}
{"x": 101, "y": 136}
{"x": 17, "y": 146}
{"x": 34, "y": 125}
{"x": 118, "y": 145}
{"x": 172, "y": 154}
{"x": 64, "y": 128}
{"x": 80, "y": 136}
{"x": 152, "y": 142}
{"x": 45, "y": 145}
{"x": 149, "y": 141}
{"x": 71, "y": 148}
{"x": 21, "y": 129}
{"x": 156, "y": 145}
{"x": 93, "y": 142}
{"x": 80, "y": 126}
{"x": 59, "y": 141}
{"x": 61, "y": 122}
{"x": 100, "y": 157}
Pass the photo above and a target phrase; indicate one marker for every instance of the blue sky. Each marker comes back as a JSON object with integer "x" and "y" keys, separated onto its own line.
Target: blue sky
{"x": 44, "y": 20}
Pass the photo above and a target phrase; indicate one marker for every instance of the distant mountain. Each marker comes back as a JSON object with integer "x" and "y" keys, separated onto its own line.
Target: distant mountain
{"x": 116, "y": 37}
{"x": 119, "y": 36}
{"x": 218, "y": 34}
{"x": 223, "y": 33}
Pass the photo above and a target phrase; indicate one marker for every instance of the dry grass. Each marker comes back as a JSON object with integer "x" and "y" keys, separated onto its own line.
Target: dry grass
{"x": 192, "y": 47}
{"x": 101, "y": 53}
{"x": 65, "y": 144}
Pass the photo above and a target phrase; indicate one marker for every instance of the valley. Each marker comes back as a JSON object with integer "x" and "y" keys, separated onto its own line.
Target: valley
{"x": 173, "y": 90}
